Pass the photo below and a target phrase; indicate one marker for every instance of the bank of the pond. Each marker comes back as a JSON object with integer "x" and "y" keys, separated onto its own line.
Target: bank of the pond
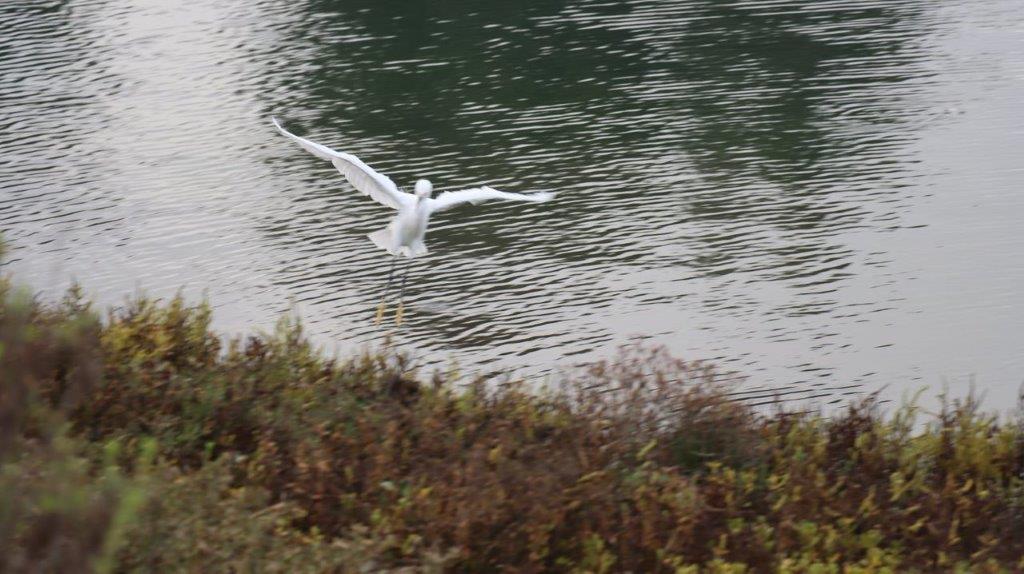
{"x": 139, "y": 441}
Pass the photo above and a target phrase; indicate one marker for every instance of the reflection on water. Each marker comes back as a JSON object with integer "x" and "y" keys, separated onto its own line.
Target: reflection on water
{"x": 822, "y": 196}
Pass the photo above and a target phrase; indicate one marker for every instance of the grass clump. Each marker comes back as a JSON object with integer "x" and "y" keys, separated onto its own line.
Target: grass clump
{"x": 142, "y": 441}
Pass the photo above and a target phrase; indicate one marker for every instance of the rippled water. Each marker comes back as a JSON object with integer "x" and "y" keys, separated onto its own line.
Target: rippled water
{"x": 823, "y": 196}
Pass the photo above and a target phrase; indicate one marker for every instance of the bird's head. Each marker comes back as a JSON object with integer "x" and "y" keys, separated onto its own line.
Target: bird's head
{"x": 423, "y": 188}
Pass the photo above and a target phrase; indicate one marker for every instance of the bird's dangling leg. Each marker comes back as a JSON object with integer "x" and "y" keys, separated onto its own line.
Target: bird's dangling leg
{"x": 401, "y": 295}
{"x": 387, "y": 286}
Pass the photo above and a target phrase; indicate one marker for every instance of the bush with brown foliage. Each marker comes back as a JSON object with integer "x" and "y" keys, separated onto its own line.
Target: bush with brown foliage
{"x": 144, "y": 442}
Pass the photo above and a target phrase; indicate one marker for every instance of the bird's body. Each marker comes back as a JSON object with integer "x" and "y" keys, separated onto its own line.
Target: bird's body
{"x": 406, "y": 233}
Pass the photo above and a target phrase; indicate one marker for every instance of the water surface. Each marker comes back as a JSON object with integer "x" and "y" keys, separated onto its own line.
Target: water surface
{"x": 824, "y": 197}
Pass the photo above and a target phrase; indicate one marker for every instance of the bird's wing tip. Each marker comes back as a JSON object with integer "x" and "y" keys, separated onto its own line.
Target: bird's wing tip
{"x": 546, "y": 196}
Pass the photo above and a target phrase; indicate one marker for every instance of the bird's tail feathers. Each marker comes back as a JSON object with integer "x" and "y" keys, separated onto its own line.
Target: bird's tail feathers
{"x": 416, "y": 249}
{"x": 384, "y": 239}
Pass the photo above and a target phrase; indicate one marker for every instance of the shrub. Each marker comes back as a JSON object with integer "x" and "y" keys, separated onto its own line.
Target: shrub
{"x": 145, "y": 442}
{"x": 65, "y": 504}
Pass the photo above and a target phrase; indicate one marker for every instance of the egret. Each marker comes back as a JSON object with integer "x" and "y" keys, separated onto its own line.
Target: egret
{"x": 404, "y": 235}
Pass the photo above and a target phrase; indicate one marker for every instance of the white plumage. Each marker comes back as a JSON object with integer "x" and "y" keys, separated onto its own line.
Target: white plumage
{"x": 405, "y": 234}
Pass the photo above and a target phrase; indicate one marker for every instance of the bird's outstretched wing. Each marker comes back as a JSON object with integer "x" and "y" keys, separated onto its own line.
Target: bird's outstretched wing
{"x": 362, "y": 177}
{"x": 476, "y": 195}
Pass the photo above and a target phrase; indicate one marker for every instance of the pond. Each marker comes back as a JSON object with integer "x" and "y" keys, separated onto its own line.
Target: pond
{"x": 823, "y": 197}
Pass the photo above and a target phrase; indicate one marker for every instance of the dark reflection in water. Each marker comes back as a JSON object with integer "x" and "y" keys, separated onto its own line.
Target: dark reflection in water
{"x": 821, "y": 196}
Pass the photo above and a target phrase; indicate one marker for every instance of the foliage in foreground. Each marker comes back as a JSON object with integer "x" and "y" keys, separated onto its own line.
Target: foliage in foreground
{"x": 142, "y": 442}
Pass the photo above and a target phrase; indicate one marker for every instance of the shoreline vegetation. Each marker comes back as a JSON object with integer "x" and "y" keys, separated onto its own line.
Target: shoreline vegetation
{"x": 139, "y": 440}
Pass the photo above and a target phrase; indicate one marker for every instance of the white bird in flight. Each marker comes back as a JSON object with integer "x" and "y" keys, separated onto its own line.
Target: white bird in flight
{"x": 405, "y": 233}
